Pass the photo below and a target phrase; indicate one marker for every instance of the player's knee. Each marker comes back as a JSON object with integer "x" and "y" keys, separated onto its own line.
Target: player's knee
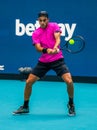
{"x": 31, "y": 79}
{"x": 29, "y": 82}
{"x": 68, "y": 80}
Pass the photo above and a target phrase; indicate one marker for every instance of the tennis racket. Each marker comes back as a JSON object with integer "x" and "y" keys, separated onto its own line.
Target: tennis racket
{"x": 74, "y": 45}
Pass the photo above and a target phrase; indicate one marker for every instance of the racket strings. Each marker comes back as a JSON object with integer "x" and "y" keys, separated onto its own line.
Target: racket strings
{"x": 76, "y": 47}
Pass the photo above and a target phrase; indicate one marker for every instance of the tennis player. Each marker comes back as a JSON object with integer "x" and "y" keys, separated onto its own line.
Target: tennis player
{"x": 46, "y": 40}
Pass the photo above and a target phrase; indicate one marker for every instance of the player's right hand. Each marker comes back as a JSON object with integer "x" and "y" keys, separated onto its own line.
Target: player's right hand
{"x": 52, "y": 51}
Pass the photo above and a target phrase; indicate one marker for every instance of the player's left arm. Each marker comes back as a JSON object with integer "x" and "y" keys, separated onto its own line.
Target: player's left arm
{"x": 57, "y": 36}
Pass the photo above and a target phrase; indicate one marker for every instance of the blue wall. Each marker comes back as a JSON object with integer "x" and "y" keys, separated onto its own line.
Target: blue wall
{"x": 17, "y": 51}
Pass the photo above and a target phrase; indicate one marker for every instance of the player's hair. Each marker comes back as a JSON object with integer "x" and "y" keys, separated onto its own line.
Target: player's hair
{"x": 43, "y": 13}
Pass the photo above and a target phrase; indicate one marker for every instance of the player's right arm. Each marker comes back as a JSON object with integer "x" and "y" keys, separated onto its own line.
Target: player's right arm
{"x": 38, "y": 47}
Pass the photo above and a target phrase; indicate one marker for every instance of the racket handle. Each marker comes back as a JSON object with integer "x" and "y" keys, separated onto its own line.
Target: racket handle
{"x": 58, "y": 50}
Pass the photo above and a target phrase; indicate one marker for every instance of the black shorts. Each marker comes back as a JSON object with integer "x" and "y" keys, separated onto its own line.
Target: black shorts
{"x": 58, "y": 66}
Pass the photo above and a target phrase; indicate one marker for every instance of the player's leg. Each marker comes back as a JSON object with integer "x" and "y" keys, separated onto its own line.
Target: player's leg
{"x": 39, "y": 71}
{"x": 61, "y": 69}
{"x": 70, "y": 89}
{"x": 27, "y": 92}
{"x": 28, "y": 88}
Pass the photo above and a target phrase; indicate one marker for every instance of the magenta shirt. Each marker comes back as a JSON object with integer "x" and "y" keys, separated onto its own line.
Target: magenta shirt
{"x": 45, "y": 37}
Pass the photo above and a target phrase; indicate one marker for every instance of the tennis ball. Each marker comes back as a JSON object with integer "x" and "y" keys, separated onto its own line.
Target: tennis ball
{"x": 71, "y": 41}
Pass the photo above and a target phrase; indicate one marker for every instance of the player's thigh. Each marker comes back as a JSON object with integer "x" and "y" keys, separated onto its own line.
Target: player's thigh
{"x": 40, "y": 69}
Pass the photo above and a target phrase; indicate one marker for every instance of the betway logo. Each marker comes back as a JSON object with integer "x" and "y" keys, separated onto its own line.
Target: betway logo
{"x": 21, "y": 29}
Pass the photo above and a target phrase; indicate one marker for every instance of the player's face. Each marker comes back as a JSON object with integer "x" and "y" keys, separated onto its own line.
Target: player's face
{"x": 43, "y": 21}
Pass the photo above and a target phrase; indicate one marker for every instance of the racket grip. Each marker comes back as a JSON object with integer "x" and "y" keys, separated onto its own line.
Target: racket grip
{"x": 58, "y": 50}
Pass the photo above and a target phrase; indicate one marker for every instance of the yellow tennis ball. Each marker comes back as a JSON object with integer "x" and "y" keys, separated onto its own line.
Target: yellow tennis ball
{"x": 71, "y": 41}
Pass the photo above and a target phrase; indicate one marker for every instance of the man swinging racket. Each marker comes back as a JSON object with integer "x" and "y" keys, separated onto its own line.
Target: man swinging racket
{"x": 46, "y": 40}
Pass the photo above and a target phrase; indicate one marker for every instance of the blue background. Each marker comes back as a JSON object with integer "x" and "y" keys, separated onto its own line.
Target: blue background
{"x": 16, "y": 51}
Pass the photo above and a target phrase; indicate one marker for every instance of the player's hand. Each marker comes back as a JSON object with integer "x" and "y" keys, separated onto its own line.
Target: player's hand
{"x": 56, "y": 50}
{"x": 52, "y": 51}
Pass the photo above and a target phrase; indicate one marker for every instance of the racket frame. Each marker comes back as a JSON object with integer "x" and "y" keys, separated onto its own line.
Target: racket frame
{"x": 65, "y": 46}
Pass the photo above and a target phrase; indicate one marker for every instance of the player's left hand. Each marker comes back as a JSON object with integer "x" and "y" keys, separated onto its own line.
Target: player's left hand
{"x": 56, "y": 50}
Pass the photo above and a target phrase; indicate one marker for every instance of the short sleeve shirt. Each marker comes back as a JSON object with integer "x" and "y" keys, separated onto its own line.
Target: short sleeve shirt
{"x": 45, "y": 37}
